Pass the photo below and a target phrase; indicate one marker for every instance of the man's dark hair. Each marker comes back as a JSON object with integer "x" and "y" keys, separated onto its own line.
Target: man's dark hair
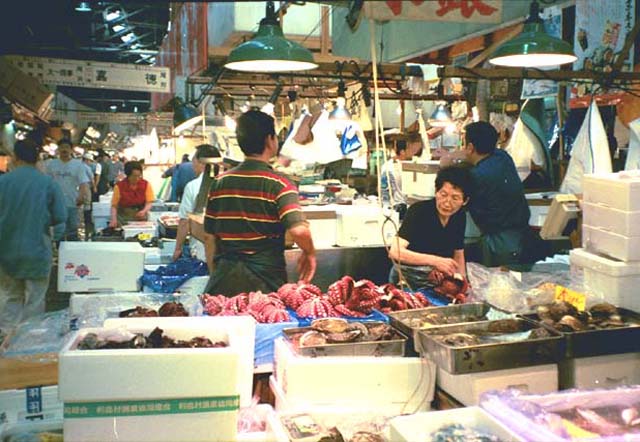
{"x": 26, "y": 150}
{"x": 66, "y": 142}
{"x": 130, "y": 166}
{"x": 253, "y": 128}
{"x": 400, "y": 146}
{"x": 483, "y": 136}
{"x": 185, "y": 158}
{"x": 456, "y": 176}
{"x": 208, "y": 151}
{"x": 102, "y": 154}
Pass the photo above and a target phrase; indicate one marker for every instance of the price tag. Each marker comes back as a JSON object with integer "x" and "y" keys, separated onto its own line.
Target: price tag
{"x": 144, "y": 236}
{"x": 578, "y": 300}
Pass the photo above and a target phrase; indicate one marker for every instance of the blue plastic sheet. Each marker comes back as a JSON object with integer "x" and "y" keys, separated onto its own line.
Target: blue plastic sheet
{"x": 265, "y": 335}
{"x": 166, "y": 279}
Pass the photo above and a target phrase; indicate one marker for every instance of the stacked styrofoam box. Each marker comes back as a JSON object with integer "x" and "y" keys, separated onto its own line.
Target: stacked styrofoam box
{"x": 611, "y": 237}
{"x": 29, "y": 404}
{"x": 383, "y": 384}
{"x": 100, "y": 266}
{"x": 364, "y": 226}
{"x": 467, "y": 388}
{"x": 106, "y": 198}
{"x": 135, "y": 228}
{"x": 609, "y": 371}
{"x": 101, "y": 214}
{"x": 155, "y": 394}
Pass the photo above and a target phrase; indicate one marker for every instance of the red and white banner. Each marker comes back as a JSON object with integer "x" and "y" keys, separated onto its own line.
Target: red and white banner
{"x": 465, "y": 11}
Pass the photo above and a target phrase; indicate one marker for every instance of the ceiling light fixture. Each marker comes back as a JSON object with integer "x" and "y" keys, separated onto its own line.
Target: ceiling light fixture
{"x": 128, "y": 37}
{"x": 185, "y": 115}
{"x": 533, "y": 47}
{"x": 340, "y": 111}
{"x": 118, "y": 28}
{"x": 83, "y": 7}
{"x": 269, "y": 50}
{"x": 113, "y": 15}
{"x": 441, "y": 116}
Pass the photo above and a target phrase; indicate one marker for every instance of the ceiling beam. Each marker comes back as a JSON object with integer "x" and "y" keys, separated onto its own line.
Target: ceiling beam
{"x": 537, "y": 74}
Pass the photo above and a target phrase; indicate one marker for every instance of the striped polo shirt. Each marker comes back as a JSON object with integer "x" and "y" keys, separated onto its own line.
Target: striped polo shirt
{"x": 250, "y": 207}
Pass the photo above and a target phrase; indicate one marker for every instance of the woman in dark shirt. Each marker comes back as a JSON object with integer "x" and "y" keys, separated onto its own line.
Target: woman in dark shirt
{"x": 431, "y": 238}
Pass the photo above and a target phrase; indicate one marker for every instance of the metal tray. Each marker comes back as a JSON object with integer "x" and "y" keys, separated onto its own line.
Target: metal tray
{"x": 611, "y": 341}
{"x": 491, "y": 356}
{"x": 404, "y": 320}
{"x": 393, "y": 347}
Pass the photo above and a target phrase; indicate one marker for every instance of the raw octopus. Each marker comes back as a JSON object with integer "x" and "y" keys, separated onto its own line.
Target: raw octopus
{"x": 317, "y": 307}
{"x": 453, "y": 287}
{"x": 293, "y": 295}
{"x": 395, "y": 299}
{"x": 264, "y": 308}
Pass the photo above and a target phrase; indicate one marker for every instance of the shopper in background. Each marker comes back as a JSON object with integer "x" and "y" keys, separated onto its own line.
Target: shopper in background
{"x": 72, "y": 177}
{"x": 194, "y": 199}
{"x": 181, "y": 176}
{"x": 102, "y": 185}
{"x": 170, "y": 173}
{"x": 391, "y": 179}
{"x": 249, "y": 210}
{"x": 430, "y": 242}
{"x": 30, "y": 203}
{"x": 132, "y": 197}
{"x": 116, "y": 170}
{"x": 498, "y": 205}
{"x": 91, "y": 169}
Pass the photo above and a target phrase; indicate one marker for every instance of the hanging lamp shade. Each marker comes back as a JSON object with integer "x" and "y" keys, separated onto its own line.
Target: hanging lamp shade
{"x": 270, "y": 51}
{"x": 533, "y": 47}
{"x": 441, "y": 116}
{"x": 340, "y": 111}
{"x": 184, "y": 116}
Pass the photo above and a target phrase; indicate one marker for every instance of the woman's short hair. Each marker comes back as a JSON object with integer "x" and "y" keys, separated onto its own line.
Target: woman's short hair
{"x": 130, "y": 166}
{"x": 456, "y": 176}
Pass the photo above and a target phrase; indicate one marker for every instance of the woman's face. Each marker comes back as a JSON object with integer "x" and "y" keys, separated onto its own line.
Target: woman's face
{"x": 135, "y": 176}
{"x": 449, "y": 199}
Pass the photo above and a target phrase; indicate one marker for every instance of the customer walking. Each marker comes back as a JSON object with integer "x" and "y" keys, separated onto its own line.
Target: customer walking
{"x": 30, "y": 203}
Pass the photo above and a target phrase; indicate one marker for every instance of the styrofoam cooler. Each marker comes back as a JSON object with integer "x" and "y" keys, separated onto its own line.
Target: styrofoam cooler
{"x": 619, "y": 190}
{"x": 100, "y": 266}
{"x": 467, "y": 388}
{"x": 614, "y": 281}
{"x": 420, "y": 426}
{"x": 384, "y": 384}
{"x": 134, "y": 229}
{"x": 106, "y": 198}
{"x": 29, "y": 404}
{"x": 604, "y": 217}
{"x": 241, "y": 329}
{"x": 363, "y": 226}
{"x": 146, "y": 395}
{"x": 101, "y": 209}
{"x": 101, "y": 222}
{"x": 610, "y": 371}
{"x": 597, "y": 239}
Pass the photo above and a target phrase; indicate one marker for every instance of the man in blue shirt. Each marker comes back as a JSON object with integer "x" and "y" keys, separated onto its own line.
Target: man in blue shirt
{"x": 181, "y": 176}
{"x": 30, "y": 203}
{"x": 497, "y": 202}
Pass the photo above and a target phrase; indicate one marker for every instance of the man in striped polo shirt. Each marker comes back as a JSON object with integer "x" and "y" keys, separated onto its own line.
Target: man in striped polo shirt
{"x": 249, "y": 210}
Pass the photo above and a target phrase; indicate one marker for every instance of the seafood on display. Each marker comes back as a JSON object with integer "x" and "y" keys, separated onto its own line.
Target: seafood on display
{"x": 460, "y": 433}
{"x": 502, "y": 330}
{"x": 167, "y": 309}
{"x": 605, "y": 421}
{"x": 155, "y": 339}
{"x": 264, "y": 308}
{"x": 565, "y": 317}
{"x": 339, "y": 331}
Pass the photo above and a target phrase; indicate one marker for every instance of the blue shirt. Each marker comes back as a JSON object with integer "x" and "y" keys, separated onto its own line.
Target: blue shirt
{"x": 497, "y": 202}
{"x": 181, "y": 176}
{"x": 30, "y": 202}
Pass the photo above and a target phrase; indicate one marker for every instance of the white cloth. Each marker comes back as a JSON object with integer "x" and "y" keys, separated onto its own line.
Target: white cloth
{"x": 392, "y": 180}
{"x": 98, "y": 169}
{"x": 189, "y": 197}
{"x": 590, "y": 152}
{"x": 524, "y": 147}
{"x": 633, "y": 154}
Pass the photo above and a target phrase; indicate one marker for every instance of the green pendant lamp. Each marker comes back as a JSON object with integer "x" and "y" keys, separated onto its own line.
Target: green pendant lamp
{"x": 533, "y": 47}
{"x": 270, "y": 51}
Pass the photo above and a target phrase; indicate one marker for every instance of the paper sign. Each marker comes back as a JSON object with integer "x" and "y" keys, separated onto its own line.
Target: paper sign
{"x": 578, "y": 300}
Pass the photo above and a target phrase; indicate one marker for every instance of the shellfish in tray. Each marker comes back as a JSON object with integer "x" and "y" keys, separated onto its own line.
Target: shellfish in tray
{"x": 599, "y": 316}
{"x": 339, "y": 331}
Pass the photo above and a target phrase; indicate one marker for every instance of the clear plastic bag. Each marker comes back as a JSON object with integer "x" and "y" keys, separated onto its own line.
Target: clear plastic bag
{"x": 40, "y": 337}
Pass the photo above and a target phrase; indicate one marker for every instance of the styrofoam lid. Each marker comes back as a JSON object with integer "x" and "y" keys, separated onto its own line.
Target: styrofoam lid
{"x": 603, "y": 264}
{"x": 626, "y": 176}
{"x": 73, "y": 246}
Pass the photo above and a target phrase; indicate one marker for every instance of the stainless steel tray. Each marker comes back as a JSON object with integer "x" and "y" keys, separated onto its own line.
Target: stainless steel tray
{"x": 408, "y": 321}
{"x": 490, "y": 356}
{"x": 392, "y": 347}
{"x": 610, "y": 341}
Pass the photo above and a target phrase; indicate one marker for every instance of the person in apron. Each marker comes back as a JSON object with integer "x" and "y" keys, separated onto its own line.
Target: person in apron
{"x": 132, "y": 197}
{"x": 250, "y": 208}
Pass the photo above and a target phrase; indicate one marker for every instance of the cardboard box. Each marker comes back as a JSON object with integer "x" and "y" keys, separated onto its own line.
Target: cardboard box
{"x": 152, "y": 394}
{"x": 467, "y": 388}
{"x": 389, "y": 384}
{"x": 100, "y": 266}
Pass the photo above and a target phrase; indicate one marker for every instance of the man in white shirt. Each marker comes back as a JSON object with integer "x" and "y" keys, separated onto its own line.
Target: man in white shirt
{"x": 195, "y": 196}
{"x": 391, "y": 179}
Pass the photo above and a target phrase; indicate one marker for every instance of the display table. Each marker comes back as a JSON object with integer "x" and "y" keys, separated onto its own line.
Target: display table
{"x": 17, "y": 373}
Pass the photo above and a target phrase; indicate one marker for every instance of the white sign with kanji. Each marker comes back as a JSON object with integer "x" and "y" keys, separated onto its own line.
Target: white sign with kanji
{"x": 92, "y": 74}
{"x": 469, "y": 11}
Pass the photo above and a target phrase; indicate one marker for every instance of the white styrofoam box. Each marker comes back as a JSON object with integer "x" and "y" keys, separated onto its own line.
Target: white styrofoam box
{"x": 25, "y": 405}
{"x": 106, "y": 198}
{"x": 114, "y": 385}
{"x": 134, "y": 229}
{"x": 167, "y": 246}
{"x": 381, "y": 383}
{"x": 619, "y": 190}
{"x": 626, "y": 248}
{"x": 467, "y": 388}
{"x": 362, "y": 226}
{"x": 613, "y": 220}
{"x": 155, "y": 216}
{"x": 101, "y": 209}
{"x": 420, "y": 425}
{"x": 101, "y": 222}
{"x": 614, "y": 281}
{"x": 152, "y": 256}
{"x": 100, "y": 266}
{"x": 241, "y": 331}
{"x": 609, "y": 371}
{"x": 419, "y": 179}
{"x": 194, "y": 286}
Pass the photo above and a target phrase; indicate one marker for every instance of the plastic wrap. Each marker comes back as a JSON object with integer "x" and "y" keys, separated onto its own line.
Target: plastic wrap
{"x": 520, "y": 292}
{"x": 40, "y": 337}
{"x": 91, "y": 310}
{"x": 603, "y": 415}
{"x": 47, "y": 431}
{"x": 166, "y": 279}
